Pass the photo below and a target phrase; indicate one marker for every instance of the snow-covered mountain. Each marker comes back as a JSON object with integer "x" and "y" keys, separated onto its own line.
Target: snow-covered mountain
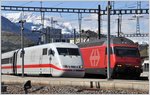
{"x": 10, "y": 36}
{"x": 34, "y": 19}
{"x": 8, "y": 26}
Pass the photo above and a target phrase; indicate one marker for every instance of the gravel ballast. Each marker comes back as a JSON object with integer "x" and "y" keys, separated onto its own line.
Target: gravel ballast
{"x": 48, "y": 89}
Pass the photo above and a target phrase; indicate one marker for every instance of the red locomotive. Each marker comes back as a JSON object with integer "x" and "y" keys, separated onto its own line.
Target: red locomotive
{"x": 124, "y": 57}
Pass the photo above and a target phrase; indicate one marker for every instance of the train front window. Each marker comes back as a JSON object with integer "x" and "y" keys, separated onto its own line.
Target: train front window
{"x": 62, "y": 51}
{"x": 126, "y": 52}
{"x": 68, "y": 51}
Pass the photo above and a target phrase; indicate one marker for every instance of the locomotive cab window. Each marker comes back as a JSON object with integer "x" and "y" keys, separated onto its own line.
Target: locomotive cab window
{"x": 68, "y": 51}
{"x": 126, "y": 52}
{"x": 44, "y": 51}
{"x": 73, "y": 51}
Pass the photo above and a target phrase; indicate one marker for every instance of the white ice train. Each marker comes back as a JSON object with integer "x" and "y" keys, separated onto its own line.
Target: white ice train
{"x": 57, "y": 59}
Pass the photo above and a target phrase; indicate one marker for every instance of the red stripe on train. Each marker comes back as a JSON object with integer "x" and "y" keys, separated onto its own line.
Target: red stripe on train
{"x": 39, "y": 66}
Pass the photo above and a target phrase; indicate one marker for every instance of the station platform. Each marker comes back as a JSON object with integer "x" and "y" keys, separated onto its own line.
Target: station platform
{"x": 86, "y": 82}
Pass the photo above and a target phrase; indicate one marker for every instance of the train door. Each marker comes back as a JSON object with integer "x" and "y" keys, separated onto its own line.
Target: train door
{"x": 52, "y": 60}
{"x": 44, "y": 62}
{"x": 14, "y": 62}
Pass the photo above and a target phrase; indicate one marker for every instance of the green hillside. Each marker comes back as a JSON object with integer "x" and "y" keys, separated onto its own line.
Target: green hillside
{"x": 11, "y": 41}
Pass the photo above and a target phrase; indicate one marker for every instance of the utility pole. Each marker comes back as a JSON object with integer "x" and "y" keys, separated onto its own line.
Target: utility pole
{"x": 108, "y": 40}
{"x": 60, "y": 39}
{"x": 46, "y": 35}
{"x": 52, "y": 22}
{"x": 137, "y": 18}
{"x": 80, "y": 20}
{"x": 118, "y": 20}
{"x": 49, "y": 35}
{"x": 74, "y": 30}
{"x": 99, "y": 21}
{"x": 43, "y": 36}
{"x": 22, "y": 45}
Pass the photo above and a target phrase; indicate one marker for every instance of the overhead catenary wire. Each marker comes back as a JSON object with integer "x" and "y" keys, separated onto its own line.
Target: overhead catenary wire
{"x": 83, "y": 19}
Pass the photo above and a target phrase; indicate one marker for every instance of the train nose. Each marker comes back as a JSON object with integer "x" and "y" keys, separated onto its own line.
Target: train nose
{"x": 128, "y": 69}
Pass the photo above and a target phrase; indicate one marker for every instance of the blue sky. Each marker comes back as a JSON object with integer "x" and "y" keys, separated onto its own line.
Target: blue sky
{"x": 128, "y": 26}
{"x": 76, "y": 4}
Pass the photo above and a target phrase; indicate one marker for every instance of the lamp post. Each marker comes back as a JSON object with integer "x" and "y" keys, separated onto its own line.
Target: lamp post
{"x": 22, "y": 46}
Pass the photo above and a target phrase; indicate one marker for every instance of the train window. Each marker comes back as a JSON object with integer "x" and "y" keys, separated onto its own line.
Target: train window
{"x": 68, "y": 51}
{"x": 125, "y": 51}
{"x": 62, "y": 51}
{"x": 44, "y": 51}
{"x": 146, "y": 67}
{"x": 73, "y": 51}
{"x": 57, "y": 40}
{"x": 6, "y": 60}
{"x": 63, "y": 40}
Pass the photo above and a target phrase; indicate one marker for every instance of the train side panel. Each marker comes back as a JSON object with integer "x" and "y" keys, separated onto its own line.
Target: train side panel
{"x": 6, "y": 62}
{"x": 31, "y": 61}
{"x": 94, "y": 59}
{"x": 37, "y": 61}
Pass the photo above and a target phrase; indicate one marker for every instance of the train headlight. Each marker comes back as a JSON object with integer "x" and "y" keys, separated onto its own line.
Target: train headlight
{"x": 119, "y": 65}
{"x": 136, "y": 66}
{"x": 80, "y": 66}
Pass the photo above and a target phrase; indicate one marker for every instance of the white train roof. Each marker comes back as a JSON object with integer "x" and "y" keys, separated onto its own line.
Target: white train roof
{"x": 7, "y": 54}
{"x": 58, "y": 44}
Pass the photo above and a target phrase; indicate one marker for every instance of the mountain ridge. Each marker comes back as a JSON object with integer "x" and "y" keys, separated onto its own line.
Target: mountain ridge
{"x": 34, "y": 20}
